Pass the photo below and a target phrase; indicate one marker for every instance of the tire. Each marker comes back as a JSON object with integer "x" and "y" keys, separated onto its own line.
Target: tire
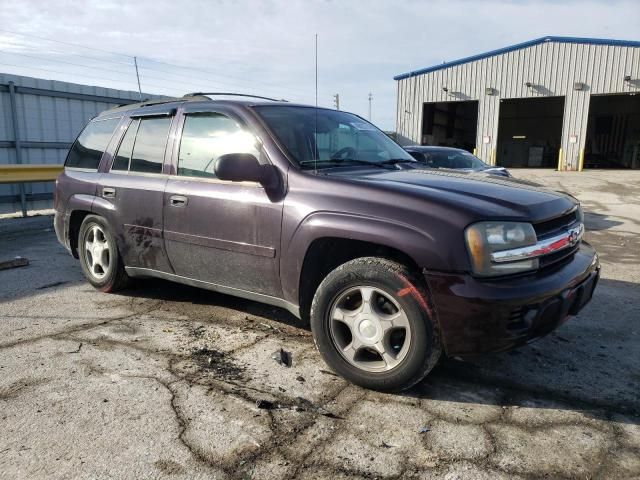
{"x": 343, "y": 321}
{"x": 101, "y": 264}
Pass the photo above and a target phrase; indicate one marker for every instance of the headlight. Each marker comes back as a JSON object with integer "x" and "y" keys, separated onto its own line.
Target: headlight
{"x": 484, "y": 238}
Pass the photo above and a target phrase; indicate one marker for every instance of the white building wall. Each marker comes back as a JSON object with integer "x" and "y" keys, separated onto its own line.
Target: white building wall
{"x": 552, "y": 67}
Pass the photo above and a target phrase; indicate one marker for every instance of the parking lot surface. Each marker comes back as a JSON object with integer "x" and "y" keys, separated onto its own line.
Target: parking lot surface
{"x": 168, "y": 381}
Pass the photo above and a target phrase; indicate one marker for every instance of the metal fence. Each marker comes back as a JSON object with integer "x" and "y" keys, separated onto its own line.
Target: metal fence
{"x": 39, "y": 120}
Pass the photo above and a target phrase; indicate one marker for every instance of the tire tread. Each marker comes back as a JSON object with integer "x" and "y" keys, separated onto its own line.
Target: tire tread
{"x": 351, "y": 269}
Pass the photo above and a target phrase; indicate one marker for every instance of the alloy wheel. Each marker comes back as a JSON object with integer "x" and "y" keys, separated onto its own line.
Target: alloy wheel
{"x": 97, "y": 250}
{"x": 369, "y": 328}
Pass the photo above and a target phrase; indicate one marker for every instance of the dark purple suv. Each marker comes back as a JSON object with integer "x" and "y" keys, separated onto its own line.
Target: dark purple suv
{"x": 319, "y": 212}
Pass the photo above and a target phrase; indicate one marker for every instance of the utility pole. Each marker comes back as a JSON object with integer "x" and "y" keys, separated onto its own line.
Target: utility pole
{"x": 370, "y": 98}
{"x": 135, "y": 61}
{"x": 336, "y": 101}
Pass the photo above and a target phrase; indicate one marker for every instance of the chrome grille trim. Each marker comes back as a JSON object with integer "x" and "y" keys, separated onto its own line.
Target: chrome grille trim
{"x": 569, "y": 238}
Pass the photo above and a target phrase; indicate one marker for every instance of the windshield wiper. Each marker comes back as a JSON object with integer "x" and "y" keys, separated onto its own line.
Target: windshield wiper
{"x": 348, "y": 161}
{"x": 395, "y": 161}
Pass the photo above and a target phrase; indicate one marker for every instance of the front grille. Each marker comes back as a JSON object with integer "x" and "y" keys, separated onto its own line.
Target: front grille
{"x": 556, "y": 225}
{"x": 558, "y": 256}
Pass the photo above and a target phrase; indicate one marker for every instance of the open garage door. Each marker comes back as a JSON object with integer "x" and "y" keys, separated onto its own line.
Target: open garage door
{"x": 529, "y": 132}
{"x": 450, "y": 124}
{"x": 613, "y": 132}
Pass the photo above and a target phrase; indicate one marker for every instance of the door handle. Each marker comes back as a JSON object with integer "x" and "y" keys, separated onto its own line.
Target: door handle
{"x": 108, "y": 192}
{"x": 178, "y": 200}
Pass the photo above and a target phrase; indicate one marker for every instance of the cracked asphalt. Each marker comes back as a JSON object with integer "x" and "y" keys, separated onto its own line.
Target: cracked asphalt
{"x": 164, "y": 381}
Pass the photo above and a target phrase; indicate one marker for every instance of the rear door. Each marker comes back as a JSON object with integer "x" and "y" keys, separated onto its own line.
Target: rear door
{"x": 132, "y": 189}
{"x": 220, "y": 232}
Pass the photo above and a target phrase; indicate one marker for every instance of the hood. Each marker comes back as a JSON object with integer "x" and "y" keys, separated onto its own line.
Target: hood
{"x": 487, "y": 196}
{"x": 501, "y": 171}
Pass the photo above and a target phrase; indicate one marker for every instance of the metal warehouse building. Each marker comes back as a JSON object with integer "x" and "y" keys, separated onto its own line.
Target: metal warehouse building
{"x": 553, "y": 102}
{"x": 39, "y": 119}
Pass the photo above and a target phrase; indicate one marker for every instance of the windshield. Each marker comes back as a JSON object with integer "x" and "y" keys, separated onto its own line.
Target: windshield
{"x": 448, "y": 159}
{"x": 329, "y": 138}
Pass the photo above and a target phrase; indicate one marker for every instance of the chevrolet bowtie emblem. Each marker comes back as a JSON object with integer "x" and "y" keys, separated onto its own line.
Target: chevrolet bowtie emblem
{"x": 573, "y": 237}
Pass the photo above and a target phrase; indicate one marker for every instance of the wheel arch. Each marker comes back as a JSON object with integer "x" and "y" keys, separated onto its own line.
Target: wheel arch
{"x": 79, "y": 206}
{"x": 326, "y": 240}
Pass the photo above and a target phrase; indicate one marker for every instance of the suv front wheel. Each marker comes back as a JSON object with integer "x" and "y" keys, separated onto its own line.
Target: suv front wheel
{"x": 99, "y": 257}
{"x": 373, "y": 324}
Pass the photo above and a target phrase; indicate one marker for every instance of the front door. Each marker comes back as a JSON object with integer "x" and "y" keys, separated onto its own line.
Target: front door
{"x": 134, "y": 185}
{"x": 220, "y": 232}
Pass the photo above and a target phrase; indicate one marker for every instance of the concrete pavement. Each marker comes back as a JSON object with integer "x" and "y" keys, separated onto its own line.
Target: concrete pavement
{"x": 163, "y": 380}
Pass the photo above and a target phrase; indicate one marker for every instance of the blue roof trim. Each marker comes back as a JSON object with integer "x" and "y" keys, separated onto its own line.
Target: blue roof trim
{"x": 518, "y": 46}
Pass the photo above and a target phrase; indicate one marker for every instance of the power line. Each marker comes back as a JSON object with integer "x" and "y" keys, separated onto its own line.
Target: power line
{"x": 36, "y": 57}
{"x": 53, "y": 51}
{"x": 235, "y": 79}
{"x": 232, "y": 85}
{"x": 61, "y": 42}
{"x": 197, "y": 85}
{"x": 215, "y": 74}
{"x": 58, "y": 71}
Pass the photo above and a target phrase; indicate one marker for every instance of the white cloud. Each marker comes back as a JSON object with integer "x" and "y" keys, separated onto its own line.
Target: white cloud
{"x": 267, "y": 46}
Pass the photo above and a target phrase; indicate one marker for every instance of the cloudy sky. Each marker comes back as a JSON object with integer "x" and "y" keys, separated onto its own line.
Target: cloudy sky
{"x": 267, "y": 46}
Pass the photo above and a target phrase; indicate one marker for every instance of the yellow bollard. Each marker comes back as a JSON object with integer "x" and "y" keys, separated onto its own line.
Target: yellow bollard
{"x": 560, "y": 160}
{"x": 581, "y": 164}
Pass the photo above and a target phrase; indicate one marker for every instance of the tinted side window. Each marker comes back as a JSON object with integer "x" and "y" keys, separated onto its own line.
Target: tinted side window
{"x": 150, "y": 144}
{"x": 87, "y": 150}
{"x": 207, "y": 136}
{"x": 123, "y": 156}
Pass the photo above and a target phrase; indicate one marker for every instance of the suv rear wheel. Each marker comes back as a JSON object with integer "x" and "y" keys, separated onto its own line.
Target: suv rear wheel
{"x": 99, "y": 257}
{"x": 373, "y": 324}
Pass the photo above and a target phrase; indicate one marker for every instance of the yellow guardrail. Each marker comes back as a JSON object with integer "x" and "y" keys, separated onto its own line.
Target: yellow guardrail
{"x": 19, "y": 173}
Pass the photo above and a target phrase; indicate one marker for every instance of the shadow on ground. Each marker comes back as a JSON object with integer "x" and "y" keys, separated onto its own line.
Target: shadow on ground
{"x": 598, "y": 221}
{"x": 586, "y": 366}
{"x": 175, "y": 292}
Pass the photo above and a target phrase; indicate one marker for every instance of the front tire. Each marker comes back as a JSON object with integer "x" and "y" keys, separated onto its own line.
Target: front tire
{"x": 373, "y": 323}
{"x": 99, "y": 257}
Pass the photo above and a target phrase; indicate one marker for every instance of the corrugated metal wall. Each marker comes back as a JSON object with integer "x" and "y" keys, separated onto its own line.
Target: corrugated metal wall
{"x": 50, "y": 114}
{"x": 551, "y": 67}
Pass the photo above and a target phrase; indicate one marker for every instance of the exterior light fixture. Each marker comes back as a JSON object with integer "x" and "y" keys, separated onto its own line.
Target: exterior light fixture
{"x": 579, "y": 86}
{"x": 627, "y": 78}
{"x": 529, "y": 84}
{"x": 445, "y": 89}
{"x": 490, "y": 91}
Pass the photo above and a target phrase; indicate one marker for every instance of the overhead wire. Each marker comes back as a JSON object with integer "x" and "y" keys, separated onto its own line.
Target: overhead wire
{"x": 249, "y": 84}
{"x": 163, "y": 85}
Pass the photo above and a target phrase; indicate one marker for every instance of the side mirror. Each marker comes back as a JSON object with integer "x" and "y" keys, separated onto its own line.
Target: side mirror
{"x": 240, "y": 167}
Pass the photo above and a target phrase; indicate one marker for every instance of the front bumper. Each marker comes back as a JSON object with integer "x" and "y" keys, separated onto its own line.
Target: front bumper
{"x": 488, "y": 315}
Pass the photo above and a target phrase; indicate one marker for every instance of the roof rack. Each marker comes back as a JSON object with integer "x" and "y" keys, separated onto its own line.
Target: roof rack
{"x": 230, "y": 94}
{"x": 145, "y": 103}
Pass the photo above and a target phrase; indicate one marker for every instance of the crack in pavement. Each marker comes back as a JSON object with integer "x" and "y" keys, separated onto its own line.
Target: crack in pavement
{"x": 75, "y": 329}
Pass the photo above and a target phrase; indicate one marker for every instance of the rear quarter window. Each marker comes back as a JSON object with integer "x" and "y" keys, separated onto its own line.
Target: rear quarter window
{"x": 88, "y": 148}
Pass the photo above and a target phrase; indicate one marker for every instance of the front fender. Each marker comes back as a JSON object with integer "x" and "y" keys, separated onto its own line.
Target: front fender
{"x": 421, "y": 246}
